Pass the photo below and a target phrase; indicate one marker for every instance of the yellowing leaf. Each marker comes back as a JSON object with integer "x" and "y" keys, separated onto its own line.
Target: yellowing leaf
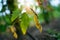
{"x": 24, "y": 23}
{"x": 15, "y": 35}
{"x": 12, "y": 29}
{"x": 31, "y": 11}
{"x": 37, "y": 23}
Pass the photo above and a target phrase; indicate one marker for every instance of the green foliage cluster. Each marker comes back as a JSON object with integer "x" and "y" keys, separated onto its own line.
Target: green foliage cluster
{"x": 23, "y": 19}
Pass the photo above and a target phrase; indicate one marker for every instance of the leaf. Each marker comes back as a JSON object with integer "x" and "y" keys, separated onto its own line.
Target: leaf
{"x": 24, "y": 23}
{"x": 15, "y": 15}
{"x": 37, "y": 23}
{"x": 15, "y": 35}
{"x": 31, "y": 11}
{"x": 12, "y": 28}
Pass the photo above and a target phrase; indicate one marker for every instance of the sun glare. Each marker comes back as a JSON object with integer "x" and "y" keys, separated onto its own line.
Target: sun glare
{"x": 55, "y": 2}
{"x": 27, "y": 3}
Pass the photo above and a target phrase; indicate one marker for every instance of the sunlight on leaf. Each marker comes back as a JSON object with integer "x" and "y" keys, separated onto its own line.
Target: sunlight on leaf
{"x": 29, "y": 11}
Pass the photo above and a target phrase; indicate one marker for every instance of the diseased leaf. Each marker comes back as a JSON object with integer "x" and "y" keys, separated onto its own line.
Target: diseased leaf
{"x": 24, "y": 22}
{"x": 15, "y": 15}
{"x": 31, "y": 11}
{"x": 37, "y": 23}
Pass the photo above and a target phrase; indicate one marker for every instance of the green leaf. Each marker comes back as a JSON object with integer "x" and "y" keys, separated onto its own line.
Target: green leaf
{"x": 15, "y": 15}
{"x": 24, "y": 22}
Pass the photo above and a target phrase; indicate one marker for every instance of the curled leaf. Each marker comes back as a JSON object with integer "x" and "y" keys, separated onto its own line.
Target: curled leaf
{"x": 37, "y": 23}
